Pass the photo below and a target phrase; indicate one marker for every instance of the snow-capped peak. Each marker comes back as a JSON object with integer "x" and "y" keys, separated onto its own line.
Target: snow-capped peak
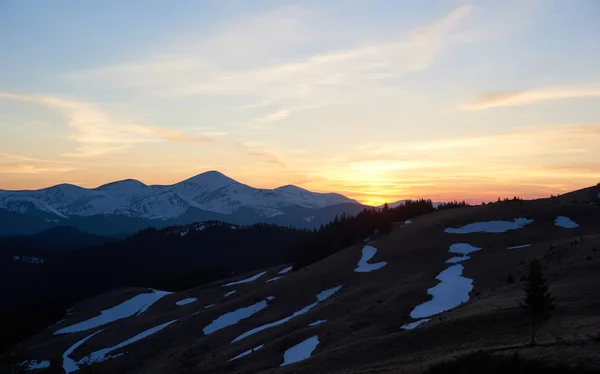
{"x": 210, "y": 191}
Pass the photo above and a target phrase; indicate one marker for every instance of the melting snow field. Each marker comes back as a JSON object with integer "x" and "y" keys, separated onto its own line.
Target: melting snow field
{"x": 231, "y": 318}
{"x": 519, "y": 246}
{"x": 247, "y": 280}
{"x": 565, "y": 222}
{"x": 230, "y": 293}
{"x": 187, "y": 301}
{"x": 317, "y": 322}
{"x": 363, "y": 266}
{"x": 103, "y": 354}
{"x": 69, "y": 365}
{"x": 136, "y": 305}
{"x": 452, "y": 291}
{"x": 247, "y": 352}
{"x": 412, "y": 325}
{"x": 320, "y": 297}
{"x": 300, "y": 351}
{"x": 286, "y": 270}
{"x": 490, "y": 226}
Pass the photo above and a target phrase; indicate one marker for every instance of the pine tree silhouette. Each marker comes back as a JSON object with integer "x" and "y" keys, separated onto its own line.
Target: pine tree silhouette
{"x": 538, "y": 302}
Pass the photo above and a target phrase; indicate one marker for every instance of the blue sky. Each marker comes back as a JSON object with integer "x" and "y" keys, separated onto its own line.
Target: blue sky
{"x": 378, "y": 100}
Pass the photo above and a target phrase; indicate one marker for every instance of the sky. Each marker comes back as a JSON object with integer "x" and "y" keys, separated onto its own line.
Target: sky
{"x": 377, "y": 100}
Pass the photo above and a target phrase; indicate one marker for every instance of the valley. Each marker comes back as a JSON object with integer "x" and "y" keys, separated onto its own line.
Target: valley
{"x": 436, "y": 286}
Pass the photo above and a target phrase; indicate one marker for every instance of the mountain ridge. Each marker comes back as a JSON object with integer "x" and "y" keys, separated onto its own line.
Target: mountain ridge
{"x": 212, "y": 191}
{"x": 133, "y": 205}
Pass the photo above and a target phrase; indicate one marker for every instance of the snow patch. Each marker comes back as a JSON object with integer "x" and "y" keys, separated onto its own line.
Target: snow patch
{"x": 104, "y": 354}
{"x": 452, "y": 291}
{"x": 29, "y": 259}
{"x": 408, "y": 221}
{"x": 463, "y": 248}
{"x": 184, "y": 233}
{"x": 209, "y": 306}
{"x": 412, "y": 325}
{"x": 565, "y": 222}
{"x": 273, "y": 279}
{"x": 231, "y": 318}
{"x": 230, "y": 293}
{"x": 363, "y": 266}
{"x": 457, "y": 259}
{"x": 300, "y": 351}
{"x": 286, "y": 270}
{"x": 490, "y": 226}
{"x": 247, "y": 280}
{"x": 69, "y": 365}
{"x": 317, "y": 322}
{"x": 519, "y": 246}
{"x": 189, "y": 300}
{"x": 247, "y": 352}
{"x": 36, "y": 365}
{"x": 320, "y": 297}
{"x": 134, "y": 306}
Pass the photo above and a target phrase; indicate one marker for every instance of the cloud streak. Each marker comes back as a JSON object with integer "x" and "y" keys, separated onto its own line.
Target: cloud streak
{"x": 515, "y": 98}
{"x": 267, "y": 73}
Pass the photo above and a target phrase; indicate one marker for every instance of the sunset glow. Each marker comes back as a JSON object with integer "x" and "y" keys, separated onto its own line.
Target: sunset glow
{"x": 379, "y": 101}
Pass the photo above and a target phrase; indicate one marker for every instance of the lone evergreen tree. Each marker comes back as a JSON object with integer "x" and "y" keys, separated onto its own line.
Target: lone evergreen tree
{"x": 538, "y": 302}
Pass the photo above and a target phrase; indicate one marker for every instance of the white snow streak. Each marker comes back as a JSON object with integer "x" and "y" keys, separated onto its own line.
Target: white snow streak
{"x": 69, "y": 365}
{"x": 273, "y": 279}
{"x": 209, "y": 306}
{"x": 300, "y": 351}
{"x": 136, "y": 305}
{"x": 103, "y": 354}
{"x": 247, "y": 352}
{"x": 490, "y": 226}
{"x": 317, "y": 322}
{"x": 247, "y": 280}
{"x": 412, "y": 325}
{"x": 230, "y": 293}
{"x": 189, "y": 300}
{"x": 565, "y": 222}
{"x": 320, "y": 297}
{"x": 457, "y": 259}
{"x": 519, "y": 246}
{"x": 363, "y": 266}
{"x": 231, "y": 318}
{"x": 286, "y": 270}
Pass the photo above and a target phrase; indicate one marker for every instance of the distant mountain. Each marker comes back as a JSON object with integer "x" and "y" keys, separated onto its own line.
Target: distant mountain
{"x": 129, "y": 205}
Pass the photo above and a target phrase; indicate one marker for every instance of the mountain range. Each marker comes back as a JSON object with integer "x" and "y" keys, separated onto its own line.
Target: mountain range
{"x": 129, "y": 205}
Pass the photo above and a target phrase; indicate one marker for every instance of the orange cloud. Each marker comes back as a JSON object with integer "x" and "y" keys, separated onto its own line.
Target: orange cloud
{"x": 513, "y": 98}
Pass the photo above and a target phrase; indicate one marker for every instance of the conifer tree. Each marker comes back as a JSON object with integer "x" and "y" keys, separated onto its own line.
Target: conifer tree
{"x": 538, "y": 302}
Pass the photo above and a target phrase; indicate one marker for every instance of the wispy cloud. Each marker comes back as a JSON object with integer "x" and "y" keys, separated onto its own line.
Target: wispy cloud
{"x": 97, "y": 132}
{"x": 31, "y": 169}
{"x": 513, "y": 98}
{"x": 266, "y": 71}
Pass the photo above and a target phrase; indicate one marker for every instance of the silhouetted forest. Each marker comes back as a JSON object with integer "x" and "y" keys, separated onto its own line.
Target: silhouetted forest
{"x": 346, "y": 230}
